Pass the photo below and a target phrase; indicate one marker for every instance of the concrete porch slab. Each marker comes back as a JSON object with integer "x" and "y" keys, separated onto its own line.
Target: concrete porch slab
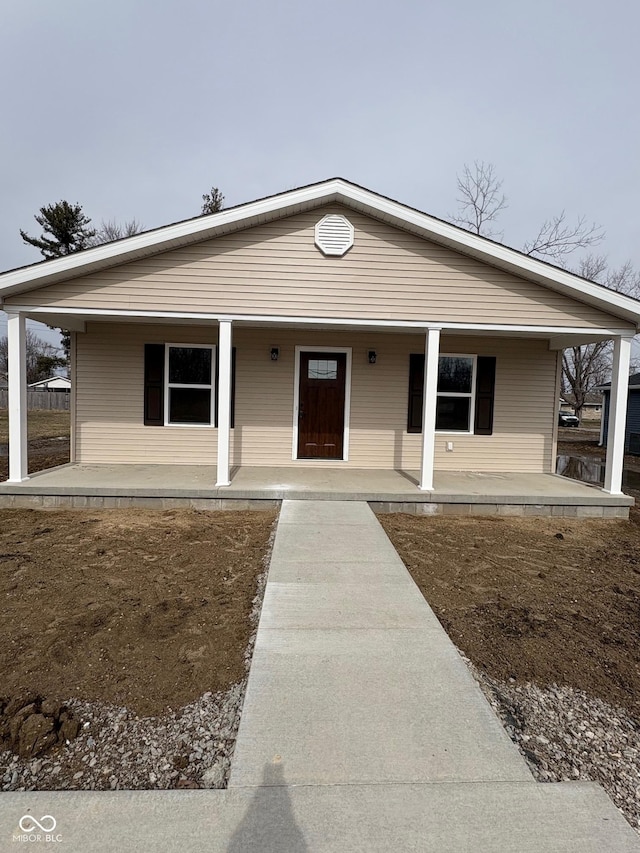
{"x": 175, "y": 485}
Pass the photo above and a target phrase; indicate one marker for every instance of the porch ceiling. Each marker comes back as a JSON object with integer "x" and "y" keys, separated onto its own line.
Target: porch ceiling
{"x": 560, "y": 338}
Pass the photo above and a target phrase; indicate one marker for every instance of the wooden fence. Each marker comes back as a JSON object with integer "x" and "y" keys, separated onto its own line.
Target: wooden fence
{"x": 40, "y": 399}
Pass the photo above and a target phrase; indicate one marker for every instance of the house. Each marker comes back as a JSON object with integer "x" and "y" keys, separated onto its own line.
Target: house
{"x": 327, "y": 327}
{"x": 591, "y": 409}
{"x": 632, "y": 421}
{"x": 52, "y": 383}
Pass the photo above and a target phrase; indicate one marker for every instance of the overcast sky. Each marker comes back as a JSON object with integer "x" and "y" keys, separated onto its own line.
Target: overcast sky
{"x": 135, "y": 108}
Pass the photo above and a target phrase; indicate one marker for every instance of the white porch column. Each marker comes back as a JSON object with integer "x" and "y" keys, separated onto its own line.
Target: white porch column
{"x": 17, "y": 377}
{"x": 617, "y": 416}
{"x": 429, "y": 391}
{"x": 224, "y": 402}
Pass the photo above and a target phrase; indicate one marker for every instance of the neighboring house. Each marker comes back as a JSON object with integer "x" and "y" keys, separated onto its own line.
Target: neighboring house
{"x": 327, "y": 326}
{"x": 52, "y": 383}
{"x": 632, "y": 422}
{"x": 591, "y": 409}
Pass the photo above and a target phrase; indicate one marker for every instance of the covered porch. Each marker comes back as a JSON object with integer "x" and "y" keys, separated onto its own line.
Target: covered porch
{"x": 175, "y": 486}
{"x": 375, "y": 438}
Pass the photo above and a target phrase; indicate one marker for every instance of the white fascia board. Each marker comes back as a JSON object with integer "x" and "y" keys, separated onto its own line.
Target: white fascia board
{"x": 80, "y": 315}
{"x": 162, "y": 239}
{"x": 284, "y": 204}
{"x": 490, "y": 252}
{"x": 606, "y": 389}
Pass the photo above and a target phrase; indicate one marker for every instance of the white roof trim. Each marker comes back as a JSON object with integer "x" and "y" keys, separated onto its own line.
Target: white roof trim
{"x": 307, "y": 198}
{"x": 78, "y": 316}
{"x": 49, "y": 379}
{"x": 606, "y": 389}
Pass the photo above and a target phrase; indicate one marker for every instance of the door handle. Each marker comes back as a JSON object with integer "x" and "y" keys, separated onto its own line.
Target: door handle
{"x": 300, "y": 412}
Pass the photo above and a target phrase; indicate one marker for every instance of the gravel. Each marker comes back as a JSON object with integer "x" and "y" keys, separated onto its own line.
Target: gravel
{"x": 566, "y": 735}
{"x": 563, "y": 734}
{"x": 116, "y": 749}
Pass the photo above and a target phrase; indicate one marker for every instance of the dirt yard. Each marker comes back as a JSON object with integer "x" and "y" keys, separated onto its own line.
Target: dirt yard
{"x": 534, "y": 600}
{"x": 142, "y": 609}
{"x": 48, "y": 433}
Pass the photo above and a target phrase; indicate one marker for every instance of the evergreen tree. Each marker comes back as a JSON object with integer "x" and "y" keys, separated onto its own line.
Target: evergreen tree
{"x": 212, "y": 202}
{"x": 66, "y": 230}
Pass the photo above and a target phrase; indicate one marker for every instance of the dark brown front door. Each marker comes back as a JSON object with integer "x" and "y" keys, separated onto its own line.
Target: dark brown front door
{"x": 321, "y": 405}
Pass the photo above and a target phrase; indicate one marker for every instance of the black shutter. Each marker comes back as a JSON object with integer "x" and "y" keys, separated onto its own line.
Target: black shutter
{"x": 416, "y": 386}
{"x": 485, "y": 392}
{"x": 233, "y": 388}
{"x": 154, "y": 384}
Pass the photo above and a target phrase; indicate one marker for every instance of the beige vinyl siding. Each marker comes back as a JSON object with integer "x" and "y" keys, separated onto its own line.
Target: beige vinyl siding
{"x": 110, "y": 401}
{"x": 276, "y": 270}
{"x": 110, "y": 398}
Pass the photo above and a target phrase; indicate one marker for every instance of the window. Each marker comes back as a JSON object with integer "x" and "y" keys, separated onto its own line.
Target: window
{"x": 455, "y": 393}
{"x": 465, "y": 392}
{"x": 189, "y": 398}
{"x": 180, "y": 384}
{"x": 322, "y": 369}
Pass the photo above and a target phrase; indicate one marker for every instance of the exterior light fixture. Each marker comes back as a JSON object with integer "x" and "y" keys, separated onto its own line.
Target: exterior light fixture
{"x": 373, "y": 356}
{"x": 275, "y": 353}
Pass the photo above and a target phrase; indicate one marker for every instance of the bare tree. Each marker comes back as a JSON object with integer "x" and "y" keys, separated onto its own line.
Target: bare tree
{"x": 42, "y": 357}
{"x": 480, "y": 199}
{"x": 557, "y": 239}
{"x": 585, "y": 367}
{"x": 112, "y": 230}
{"x": 625, "y": 280}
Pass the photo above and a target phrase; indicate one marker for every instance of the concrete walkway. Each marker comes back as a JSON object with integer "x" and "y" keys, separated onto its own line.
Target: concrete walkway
{"x": 353, "y": 680}
{"x": 362, "y": 730}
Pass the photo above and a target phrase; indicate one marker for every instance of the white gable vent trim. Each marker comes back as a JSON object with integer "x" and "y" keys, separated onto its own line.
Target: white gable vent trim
{"x": 334, "y": 234}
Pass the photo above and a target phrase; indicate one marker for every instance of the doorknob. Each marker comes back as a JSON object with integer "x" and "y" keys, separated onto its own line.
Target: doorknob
{"x": 301, "y": 412}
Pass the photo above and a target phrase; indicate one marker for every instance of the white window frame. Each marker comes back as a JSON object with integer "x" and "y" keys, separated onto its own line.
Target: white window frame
{"x": 347, "y": 404}
{"x": 168, "y": 385}
{"x": 471, "y": 394}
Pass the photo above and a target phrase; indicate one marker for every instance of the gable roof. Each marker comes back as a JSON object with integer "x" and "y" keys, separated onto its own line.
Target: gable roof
{"x": 64, "y": 381}
{"x": 306, "y": 198}
{"x": 634, "y": 384}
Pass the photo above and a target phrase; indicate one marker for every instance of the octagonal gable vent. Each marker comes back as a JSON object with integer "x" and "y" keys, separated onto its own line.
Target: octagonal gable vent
{"x": 334, "y": 234}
